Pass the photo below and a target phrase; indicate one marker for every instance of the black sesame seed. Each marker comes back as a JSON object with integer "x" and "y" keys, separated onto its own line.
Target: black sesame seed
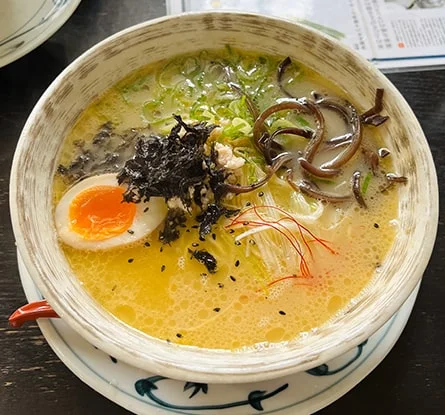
{"x": 114, "y": 287}
{"x": 147, "y": 244}
{"x": 261, "y": 194}
{"x": 195, "y": 226}
{"x": 162, "y": 268}
{"x": 232, "y": 278}
{"x": 231, "y": 231}
{"x": 282, "y": 312}
{"x": 161, "y": 249}
{"x": 248, "y": 204}
{"x": 130, "y": 260}
{"x": 237, "y": 263}
{"x": 246, "y": 223}
{"x": 130, "y": 231}
{"x": 178, "y": 335}
{"x": 220, "y": 285}
{"x": 214, "y": 236}
{"x": 113, "y": 359}
{"x": 237, "y": 243}
{"x": 201, "y": 239}
{"x": 376, "y": 225}
{"x": 216, "y": 309}
{"x": 146, "y": 209}
{"x": 187, "y": 230}
{"x": 194, "y": 244}
{"x": 203, "y": 275}
{"x": 252, "y": 242}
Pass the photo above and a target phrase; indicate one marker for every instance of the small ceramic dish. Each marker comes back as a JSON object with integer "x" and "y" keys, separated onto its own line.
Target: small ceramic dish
{"x": 25, "y": 24}
{"x": 90, "y": 75}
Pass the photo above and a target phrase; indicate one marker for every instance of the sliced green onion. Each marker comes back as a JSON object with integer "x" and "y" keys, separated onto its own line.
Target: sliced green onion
{"x": 237, "y": 127}
{"x": 202, "y": 112}
{"x": 153, "y": 110}
{"x": 134, "y": 90}
{"x": 366, "y": 181}
{"x": 170, "y": 76}
{"x": 302, "y": 121}
{"x": 190, "y": 67}
{"x": 249, "y": 70}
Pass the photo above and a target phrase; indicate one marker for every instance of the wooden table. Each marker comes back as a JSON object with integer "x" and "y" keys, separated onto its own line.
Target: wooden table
{"x": 411, "y": 380}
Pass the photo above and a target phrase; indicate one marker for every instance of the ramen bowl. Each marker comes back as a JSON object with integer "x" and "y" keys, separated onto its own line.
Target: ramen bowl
{"x": 36, "y": 161}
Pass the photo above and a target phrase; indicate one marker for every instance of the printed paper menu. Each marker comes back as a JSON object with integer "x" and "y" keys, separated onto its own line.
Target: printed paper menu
{"x": 393, "y": 34}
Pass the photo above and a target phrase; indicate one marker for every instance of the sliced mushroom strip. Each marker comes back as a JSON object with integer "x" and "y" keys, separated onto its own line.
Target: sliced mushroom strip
{"x": 337, "y": 142}
{"x": 314, "y": 144}
{"x": 310, "y": 189}
{"x": 270, "y": 146}
{"x": 277, "y": 163}
{"x": 356, "y": 189}
{"x": 280, "y": 73}
{"x": 349, "y": 113}
{"x": 372, "y": 158}
{"x": 383, "y": 152}
{"x": 392, "y": 178}
{"x": 302, "y": 105}
{"x": 302, "y": 132}
{"x": 253, "y": 109}
{"x": 317, "y": 171}
{"x": 372, "y": 116}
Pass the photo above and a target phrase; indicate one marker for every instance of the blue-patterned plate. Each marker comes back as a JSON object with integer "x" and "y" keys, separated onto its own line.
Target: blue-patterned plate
{"x": 26, "y": 24}
{"x": 145, "y": 393}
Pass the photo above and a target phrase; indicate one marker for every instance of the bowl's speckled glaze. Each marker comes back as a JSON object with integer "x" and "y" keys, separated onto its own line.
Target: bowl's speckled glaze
{"x": 90, "y": 75}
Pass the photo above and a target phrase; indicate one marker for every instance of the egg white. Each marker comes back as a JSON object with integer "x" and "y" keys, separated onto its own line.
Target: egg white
{"x": 143, "y": 223}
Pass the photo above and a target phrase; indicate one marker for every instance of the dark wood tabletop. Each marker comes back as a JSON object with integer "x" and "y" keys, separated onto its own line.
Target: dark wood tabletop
{"x": 411, "y": 379}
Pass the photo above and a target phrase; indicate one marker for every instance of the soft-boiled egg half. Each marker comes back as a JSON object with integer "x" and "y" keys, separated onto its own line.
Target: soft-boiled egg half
{"x": 92, "y": 215}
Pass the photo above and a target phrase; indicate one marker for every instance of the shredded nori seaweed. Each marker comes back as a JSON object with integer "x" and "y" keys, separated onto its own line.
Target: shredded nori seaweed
{"x": 205, "y": 258}
{"x": 167, "y": 166}
{"x": 106, "y": 153}
{"x": 104, "y": 133}
{"x": 210, "y": 216}
{"x": 175, "y": 219}
{"x": 176, "y": 166}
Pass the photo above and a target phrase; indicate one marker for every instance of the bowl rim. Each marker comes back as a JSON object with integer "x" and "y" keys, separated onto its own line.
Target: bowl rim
{"x": 211, "y": 372}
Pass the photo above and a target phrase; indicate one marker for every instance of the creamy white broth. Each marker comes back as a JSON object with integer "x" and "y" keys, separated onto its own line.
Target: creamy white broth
{"x": 258, "y": 293}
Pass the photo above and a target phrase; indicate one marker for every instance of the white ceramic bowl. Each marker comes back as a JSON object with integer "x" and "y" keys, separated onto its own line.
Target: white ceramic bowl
{"x": 96, "y": 70}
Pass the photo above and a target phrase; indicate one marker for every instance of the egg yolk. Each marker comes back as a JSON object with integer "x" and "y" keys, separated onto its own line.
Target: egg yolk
{"x": 98, "y": 213}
